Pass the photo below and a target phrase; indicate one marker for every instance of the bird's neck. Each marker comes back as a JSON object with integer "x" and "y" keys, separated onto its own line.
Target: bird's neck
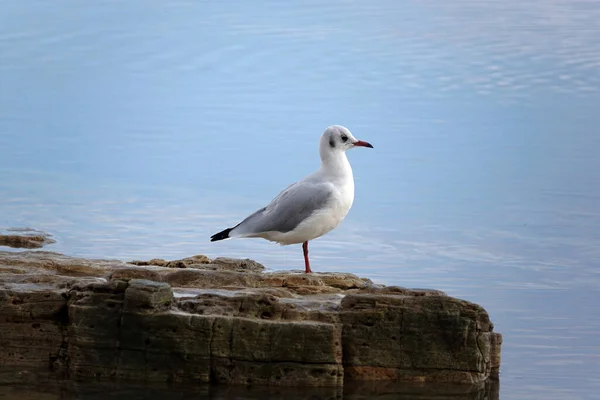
{"x": 336, "y": 164}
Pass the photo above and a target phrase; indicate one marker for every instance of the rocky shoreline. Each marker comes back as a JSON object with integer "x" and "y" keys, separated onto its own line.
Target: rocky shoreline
{"x": 228, "y": 321}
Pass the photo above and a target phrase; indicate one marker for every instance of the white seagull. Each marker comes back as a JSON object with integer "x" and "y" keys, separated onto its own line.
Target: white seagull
{"x": 308, "y": 208}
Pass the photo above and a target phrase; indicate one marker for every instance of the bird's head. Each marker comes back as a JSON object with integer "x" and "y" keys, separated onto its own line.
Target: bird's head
{"x": 337, "y": 138}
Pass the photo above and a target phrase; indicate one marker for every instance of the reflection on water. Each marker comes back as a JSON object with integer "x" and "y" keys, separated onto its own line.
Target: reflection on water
{"x": 137, "y": 129}
{"x": 379, "y": 390}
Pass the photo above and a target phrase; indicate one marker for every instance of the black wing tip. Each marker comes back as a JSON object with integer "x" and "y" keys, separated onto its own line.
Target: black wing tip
{"x": 221, "y": 235}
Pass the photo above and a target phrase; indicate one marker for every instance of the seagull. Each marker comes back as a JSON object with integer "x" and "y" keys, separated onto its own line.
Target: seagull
{"x": 311, "y": 207}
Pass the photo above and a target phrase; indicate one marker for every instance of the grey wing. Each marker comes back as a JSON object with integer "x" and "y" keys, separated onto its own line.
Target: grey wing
{"x": 286, "y": 211}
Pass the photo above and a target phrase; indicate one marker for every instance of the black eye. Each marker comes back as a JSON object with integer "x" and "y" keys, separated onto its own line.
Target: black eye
{"x": 344, "y": 137}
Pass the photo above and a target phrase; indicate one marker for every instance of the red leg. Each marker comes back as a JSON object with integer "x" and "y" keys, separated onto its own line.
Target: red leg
{"x": 306, "y": 262}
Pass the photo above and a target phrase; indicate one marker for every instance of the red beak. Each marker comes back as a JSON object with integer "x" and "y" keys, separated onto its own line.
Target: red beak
{"x": 363, "y": 144}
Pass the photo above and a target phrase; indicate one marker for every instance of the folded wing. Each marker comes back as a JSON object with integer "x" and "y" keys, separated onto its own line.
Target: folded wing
{"x": 286, "y": 211}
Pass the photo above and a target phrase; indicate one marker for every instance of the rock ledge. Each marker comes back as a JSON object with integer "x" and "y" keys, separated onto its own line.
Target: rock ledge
{"x": 24, "y": 238}
{"x": 228, "y": 321}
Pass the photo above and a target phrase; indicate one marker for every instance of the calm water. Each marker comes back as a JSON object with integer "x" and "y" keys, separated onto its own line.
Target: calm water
{"x": 137, "y": 129}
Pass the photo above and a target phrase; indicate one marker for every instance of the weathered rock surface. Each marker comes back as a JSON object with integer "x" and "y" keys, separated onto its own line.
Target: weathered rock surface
{"x": 74, "y": 390}
{"x": 228, "y": 321}
{"x": 24, "y": 238}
